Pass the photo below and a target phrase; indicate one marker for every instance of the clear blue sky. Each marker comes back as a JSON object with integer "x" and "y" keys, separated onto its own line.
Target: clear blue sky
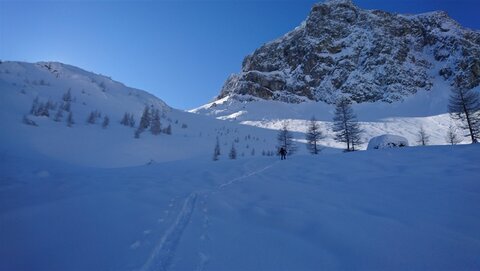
{"x": 181, "y": 51}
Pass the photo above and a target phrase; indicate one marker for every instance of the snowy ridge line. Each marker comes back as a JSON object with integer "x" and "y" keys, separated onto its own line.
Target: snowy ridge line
{"x": 162, "y": 255}
{"x": 222, "y": 186}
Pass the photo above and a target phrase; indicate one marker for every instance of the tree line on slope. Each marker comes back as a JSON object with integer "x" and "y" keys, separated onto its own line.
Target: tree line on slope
{"x": 150, "y": 118}
{"x": 464, "y": 107}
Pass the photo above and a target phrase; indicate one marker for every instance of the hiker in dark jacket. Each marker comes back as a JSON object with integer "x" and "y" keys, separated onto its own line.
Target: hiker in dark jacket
{"x": 283, "y": 153}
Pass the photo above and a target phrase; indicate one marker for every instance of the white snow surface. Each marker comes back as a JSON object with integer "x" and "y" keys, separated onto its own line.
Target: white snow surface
{"x": 396, "y": 209}
{"x": 387, "y": 141}
{"x": 88, "y": 198}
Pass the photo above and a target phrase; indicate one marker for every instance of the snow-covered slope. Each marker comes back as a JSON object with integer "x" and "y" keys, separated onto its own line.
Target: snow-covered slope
{"x": 405, "y": 209}
{"x": 114, "y": 146}
{"x": 91, "y": 198}
{"x": 398, "y": 69}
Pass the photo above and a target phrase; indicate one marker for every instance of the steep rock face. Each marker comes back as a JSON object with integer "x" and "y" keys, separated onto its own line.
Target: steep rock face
{"x": 366, "y": 55}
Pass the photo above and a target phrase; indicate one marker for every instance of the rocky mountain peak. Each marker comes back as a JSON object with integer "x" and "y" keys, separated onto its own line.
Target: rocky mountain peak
{"x": 341, "y": 50}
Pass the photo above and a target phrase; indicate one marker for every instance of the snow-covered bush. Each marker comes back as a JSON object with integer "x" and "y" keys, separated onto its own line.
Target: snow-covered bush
{"x": 387, "y": 141}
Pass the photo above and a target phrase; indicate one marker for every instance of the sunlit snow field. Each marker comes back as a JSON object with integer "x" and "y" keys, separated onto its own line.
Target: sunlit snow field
{"x": 406, "y": 209}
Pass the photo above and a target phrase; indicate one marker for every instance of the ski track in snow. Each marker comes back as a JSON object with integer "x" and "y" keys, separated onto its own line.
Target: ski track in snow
{"x": 222, "y": 186}
{"x": 162, "y": 255}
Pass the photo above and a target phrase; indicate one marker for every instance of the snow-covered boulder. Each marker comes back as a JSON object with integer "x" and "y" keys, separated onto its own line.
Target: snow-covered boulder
{"x": 387, "y": 141}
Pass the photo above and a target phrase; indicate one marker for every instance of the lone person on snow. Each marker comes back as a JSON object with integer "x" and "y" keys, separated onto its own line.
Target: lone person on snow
{"x": 283, "y": 153}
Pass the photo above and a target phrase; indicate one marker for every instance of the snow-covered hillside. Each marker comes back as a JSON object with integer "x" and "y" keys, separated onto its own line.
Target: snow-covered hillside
{"x": 193, "y": 136}
{"x": 87, "y": 197}
{"x": 404, "y": 118}
{"x": 397, "y": 69}
{"x": 404, "y": 209}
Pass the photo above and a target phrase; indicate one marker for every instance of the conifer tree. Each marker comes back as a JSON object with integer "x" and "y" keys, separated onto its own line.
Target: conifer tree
{"x": 314, "y": 135}
{"x": 59, "y": 115}
{"x": 345, "y": 125}
{"x": 216, "y": 151}
{"x": 155, "y": 127}
{"x": 233, "y": 153}
{"x": 106, "y": 121}
{"x": 464, "y": 105}
{"x": 144, "y": 122}
{"x": 67, "y": 97}
{"x": 285, "y": 139}
{"x": 34, "y": 108}
{"x": 168, "y": 130}
{"x": 70, "y": 121}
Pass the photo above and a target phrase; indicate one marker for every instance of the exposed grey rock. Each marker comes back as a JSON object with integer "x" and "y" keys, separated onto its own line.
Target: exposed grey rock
{"x": 366, "y": 55}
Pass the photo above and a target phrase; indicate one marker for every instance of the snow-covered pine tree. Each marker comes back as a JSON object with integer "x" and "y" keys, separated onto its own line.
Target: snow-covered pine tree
{"x": 313, "y": 136}
{"x": 66, "y": 106}
{"x": 233, "y": 152}
{"x": 285, "y": 139}
{"x": 58, "y": 115}
{"x": 168, "y": 130}
{"x": 345, "y": 125}
{"x": 144, "y": 122}
{"x": 155, "y": 126}
{"x": 422, "y": 138}
{"x": 452, "y": 135}
{"x": 50, "y": 105}
{"x": 42, "y": 110}
{"x": 70, "y": 120}
{"x": 106, "y": 121}
{"x": 125, "y": 119}
{"x": 216, "y": 150}
{"x": 131, "y": 121}
{"x": 34, "y": 108}
{"x": 92, "y": 117}
{"x": 67, "y": 97}
{"x": 464, "y": 105}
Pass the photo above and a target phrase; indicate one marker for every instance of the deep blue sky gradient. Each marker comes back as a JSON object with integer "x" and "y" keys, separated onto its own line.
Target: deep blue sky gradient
{"x": 181, "y": 51}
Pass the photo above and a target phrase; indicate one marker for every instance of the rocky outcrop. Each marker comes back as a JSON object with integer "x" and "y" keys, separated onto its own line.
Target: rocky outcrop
{"x": 366, "y": 55}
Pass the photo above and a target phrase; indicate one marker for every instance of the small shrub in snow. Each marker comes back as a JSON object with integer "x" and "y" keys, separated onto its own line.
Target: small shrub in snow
{"x": 184, "y": 126}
